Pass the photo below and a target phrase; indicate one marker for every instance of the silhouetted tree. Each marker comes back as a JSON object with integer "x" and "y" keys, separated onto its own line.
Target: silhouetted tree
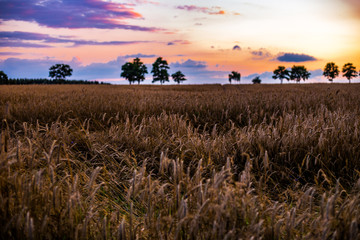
{"x": 298, "y": 73}
{"x": 159, "y": 70}
{"x": 134, "y": 71}
{"x": 256, "y": 80}
{"x": 128, "y": 72}
{"x": 60, "y": 71}
{"x": 349, "y": 71}
{"x": 331, "y": 71}
{"x": 178, "y": 77}
{"x": 3, "y": 78}
{"x": 234, "y": 76}
{"x": 281, "y": 73}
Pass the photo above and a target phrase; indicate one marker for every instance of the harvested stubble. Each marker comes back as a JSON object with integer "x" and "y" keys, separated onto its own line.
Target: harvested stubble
{"x": 180, "y": 162}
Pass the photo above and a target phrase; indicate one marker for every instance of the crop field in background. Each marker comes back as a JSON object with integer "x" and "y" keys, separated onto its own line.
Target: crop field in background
{"x": 180, "y": 162}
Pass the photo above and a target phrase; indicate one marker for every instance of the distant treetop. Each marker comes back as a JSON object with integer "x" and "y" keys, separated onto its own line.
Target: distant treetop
{"x": 234, "y": 76}
{"x": 256, "y": 80}
{"x": 178, "y": 77}
{"x": 159, "y": 71}
{"x": 298, "y": 73}
{"x": 134, "y": 71}
{"x": 60, "y": 71}
{"x": 331, "y": 71}
{"x": 349, "y": 71}
{"x": 3, "y": 78}
{"x": 281, "y": 73}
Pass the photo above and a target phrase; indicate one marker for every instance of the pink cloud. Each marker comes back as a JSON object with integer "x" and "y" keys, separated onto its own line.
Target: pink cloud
{"x": 73, "y": 14}
{"x": 206, "y": 10}
{"x": 182, "y": 42}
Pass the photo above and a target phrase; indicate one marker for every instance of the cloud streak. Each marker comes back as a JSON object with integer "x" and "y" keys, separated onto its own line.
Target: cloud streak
{"x": 140, "y": 55}
{"x": 21, "y": 44}
{"x": 21, "y": 39}
{"x": 189, "y": 64}
{"x": 73, "y": 14}
{"x": 206, "y": 10}
{"x": 182, "y": 42}
{"x": 10, "y": 53}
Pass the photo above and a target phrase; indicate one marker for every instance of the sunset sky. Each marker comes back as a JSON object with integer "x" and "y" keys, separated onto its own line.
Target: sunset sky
{"x": 204, "y": 39}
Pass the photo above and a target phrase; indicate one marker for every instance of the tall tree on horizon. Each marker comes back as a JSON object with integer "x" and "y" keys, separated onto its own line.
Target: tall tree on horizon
{"x": 60, "y": 71}
{"x": 234, "y": 76}
{"x": 281, "y": 73}
{"x": 134, "y": 71}
{"x": 159, "y": 71}
{"x": 298, "y": 73}
{"x": 331, "y": 71}
{"x": 349, "y": 71}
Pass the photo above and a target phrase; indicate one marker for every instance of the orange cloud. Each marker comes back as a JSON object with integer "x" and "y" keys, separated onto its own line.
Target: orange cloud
{"x": 221, "y": 12}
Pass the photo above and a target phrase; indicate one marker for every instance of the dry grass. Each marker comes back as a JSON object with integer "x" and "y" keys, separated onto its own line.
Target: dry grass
{"x": 180, "y": 162}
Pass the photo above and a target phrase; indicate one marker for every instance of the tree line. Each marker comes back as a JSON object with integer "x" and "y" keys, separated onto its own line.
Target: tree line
{"x": 57, "y": 72}
{"x": 135, "y": 72}
{"x": 331, "y": 71}
{"x": 28, "y": 81}
{"x": 298, "y": 73}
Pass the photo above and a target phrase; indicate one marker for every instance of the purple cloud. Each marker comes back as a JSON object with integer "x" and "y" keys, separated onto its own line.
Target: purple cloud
{"x": 263, "y": 76}
{"x": 26, "y": 68}
{"x": 206, "y": 10}
{"x": 139, "y": 55}
{"x": 294, "y": 57}
{"x": 21, "y": 44}
{"x": 39, "y": 68}
{"x": 189, "y": 64}
{"x": 73, "y": 14}
{"x": 237, "y": 47}
{"x": 262, "y": 53}
{"x": 10, "y": 53}
{"x": 111, "y": 69}
{"x": 316, "y": 73}
{"x": 24, "y": 35}
{"x": 183, "y": 42}
{"x": 18, "y": 39}
{"x": 197, "y": 72}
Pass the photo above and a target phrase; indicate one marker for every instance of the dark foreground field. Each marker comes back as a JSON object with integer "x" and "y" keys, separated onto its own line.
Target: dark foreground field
{"x": 180, "y": 162}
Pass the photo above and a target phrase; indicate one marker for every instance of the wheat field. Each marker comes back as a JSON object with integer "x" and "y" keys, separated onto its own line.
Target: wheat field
{"x": 180, "y": 162}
